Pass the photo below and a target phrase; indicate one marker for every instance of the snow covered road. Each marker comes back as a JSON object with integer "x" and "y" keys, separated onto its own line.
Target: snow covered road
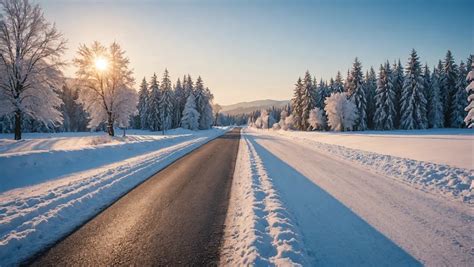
{"x": 344, "y": 213}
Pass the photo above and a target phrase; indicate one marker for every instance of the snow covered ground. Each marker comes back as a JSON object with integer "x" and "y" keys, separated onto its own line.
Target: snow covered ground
{"x": 299, "y": 199}
{"x": 52, "y": 183}
{"x": 454, "y": 147}
{"x": 435, "y": 160}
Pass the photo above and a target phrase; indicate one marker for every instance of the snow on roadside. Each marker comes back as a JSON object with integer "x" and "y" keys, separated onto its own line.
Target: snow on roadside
{"x": 259, "y": 228}
{"x": 452, "y": 147}
{"x": 47, "y": 157}
{"x": 36, "y": 216}
{"x": 456, "y": 183}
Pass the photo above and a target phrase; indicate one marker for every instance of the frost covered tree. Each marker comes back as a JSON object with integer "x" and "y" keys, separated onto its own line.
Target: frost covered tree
{"x": 203, "y": 105}
{"x": 435, "y": 107}
{"x": 143, "y": 96}
{"x": 180, "y": 102}
{"x": 322, "y": 91}
{"x": 469, "y": 119}
{"x": 338, "y": 86}
{"x": 264, "y": 119}
{"x": 153, "y": 105}
{"x": 449, "y": 79}
{"x": 283, "y": 116}
{"x": 459, "y": 99}
{"x": 188, "y": 86}
{"x": 75, "y": 118}
{"x": 370, "y": 87}
{"x": 413, "y": 101}
{"x": 427, "y": 83}
{"x": 317, "y": 119}
{"x": 290, "y": 122}
{"x": 166, "y": 102}
{"x": 106, "y": 81}
{"x": 190, "y": 118}
{"x": 30, "y": 64}
{"x": 356, "y": 93}
{"x": 297, "y": 104}
{"x": 341, "y": 112}
{"x": 306, "y": 101}
{"x": 397, "y": 80}
{"x": 385, "y": 95}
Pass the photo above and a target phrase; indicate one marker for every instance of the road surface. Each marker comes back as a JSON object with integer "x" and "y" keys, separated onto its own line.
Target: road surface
{"x": 175, "y": 217}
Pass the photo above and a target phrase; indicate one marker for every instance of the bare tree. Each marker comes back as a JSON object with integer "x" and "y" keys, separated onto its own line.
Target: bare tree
{"x": 30, "y": 64}
{"x": 106, "y": 83}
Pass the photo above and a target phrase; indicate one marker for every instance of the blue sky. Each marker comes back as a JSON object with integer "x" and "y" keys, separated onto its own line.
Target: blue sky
{"x": 248, "y": 50}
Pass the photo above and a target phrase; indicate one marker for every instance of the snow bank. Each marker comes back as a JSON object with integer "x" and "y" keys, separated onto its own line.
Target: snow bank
{"x": 259, "y": 229}
{"x": 36, "y": 216}
{"x": 456, "y": 183}
{"x": 452, "y": 147}
{"x": 42, "y": 157}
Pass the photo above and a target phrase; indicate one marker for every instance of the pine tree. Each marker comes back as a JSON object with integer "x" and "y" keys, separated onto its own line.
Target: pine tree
{"x": 448, "y": 86}
{"x": 469, "y": 62}
{"x": 413, "y": 101}
{"x": 370, "y": 87}
{"x": 190, "y": 118}
{"x": 203, "y": 105}
{"x": 180, "y": 102}
{"x": 75, "y": 118}
{"x": 166, "y": 102}
{"x": 435, "y": 107}
{"x": 188, "y": 86}
{"x": 356, "y": 93}
{"x": 397, "y": 81}
{"x": 322, "y": 92}
{"x": 338, "y": 86}
{"x": 427, "y": 82}
{"x": 143, "y": 95}
{"x": 459, "y": 99}
{"x": 307, "y": 100}
{"x": 153, "y": 105}
{"x": 385, "y": 112}
{"x": 297, "y": 105}
{"x": 469, "y": 120}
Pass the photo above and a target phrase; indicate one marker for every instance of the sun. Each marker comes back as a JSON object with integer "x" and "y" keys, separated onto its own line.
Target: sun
{"x": 101, "y": 64}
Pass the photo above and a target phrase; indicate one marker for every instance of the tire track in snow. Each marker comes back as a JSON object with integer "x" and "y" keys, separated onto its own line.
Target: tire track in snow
{"x": 260, "y": 231}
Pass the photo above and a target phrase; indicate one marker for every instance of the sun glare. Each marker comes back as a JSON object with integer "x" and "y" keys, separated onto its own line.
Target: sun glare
{"x": 101, "y": 64}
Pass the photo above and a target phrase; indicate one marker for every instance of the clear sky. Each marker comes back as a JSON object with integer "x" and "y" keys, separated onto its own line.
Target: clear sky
{"x": 249, "y": 50}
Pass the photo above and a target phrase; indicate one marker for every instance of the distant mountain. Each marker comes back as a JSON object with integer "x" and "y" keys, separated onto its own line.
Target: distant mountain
{"x": 247, "y": 107}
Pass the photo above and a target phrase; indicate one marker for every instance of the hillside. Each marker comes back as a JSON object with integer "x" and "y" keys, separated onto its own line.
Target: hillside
{"x": 247, "y": 107}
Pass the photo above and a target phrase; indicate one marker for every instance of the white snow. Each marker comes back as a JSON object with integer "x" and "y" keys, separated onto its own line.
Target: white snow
{"x": 50, "y": 185}
{"x": 427, "y": 159}
{"x": 343, "y": 207}
{"x": 454, "y": 147}
{"x": 261, "y": 230}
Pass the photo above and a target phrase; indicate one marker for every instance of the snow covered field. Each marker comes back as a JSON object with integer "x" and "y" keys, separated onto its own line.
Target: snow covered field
{"x": 52, "y": 183}
{"x": 454, "y": 147}
{"x": 298, "y": 198}
{"x": 436, "y": 160}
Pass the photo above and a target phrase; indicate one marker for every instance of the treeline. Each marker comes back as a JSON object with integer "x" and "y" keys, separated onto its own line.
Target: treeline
{"x": 162, "y": 106}
{"x": 414, "y": 97}
{"x": 35, "y": 98}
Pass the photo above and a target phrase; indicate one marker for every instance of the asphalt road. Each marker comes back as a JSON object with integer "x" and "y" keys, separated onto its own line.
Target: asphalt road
{"x": 174, "y": 218}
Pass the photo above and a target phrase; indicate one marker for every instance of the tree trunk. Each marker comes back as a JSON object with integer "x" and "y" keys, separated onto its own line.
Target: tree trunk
{"x": 18, "y": 119}
{"x": 110, "y": 124}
